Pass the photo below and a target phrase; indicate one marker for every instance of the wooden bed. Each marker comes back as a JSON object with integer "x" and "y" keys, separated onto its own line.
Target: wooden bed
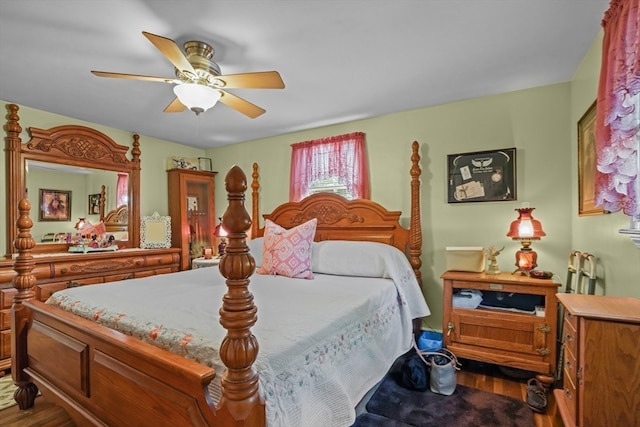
{"x": 103, "y": 377}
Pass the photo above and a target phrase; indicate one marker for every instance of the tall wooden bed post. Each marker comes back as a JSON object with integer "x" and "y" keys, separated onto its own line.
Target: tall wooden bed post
{"x": 24, "y": 283}
{"x": 241, "y": 403}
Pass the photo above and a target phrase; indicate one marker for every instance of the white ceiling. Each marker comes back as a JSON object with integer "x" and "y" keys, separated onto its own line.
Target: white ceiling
{"x": 340, "y": 60}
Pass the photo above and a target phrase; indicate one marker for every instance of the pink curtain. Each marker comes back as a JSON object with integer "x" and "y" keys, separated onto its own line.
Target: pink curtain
{"x": 343, "y": 156}
{"x": 122, "y": 189}
{"x": 617, "y": 116}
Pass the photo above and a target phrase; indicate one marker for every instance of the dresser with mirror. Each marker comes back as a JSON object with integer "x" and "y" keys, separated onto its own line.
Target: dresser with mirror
{"x": 89, "y": 178}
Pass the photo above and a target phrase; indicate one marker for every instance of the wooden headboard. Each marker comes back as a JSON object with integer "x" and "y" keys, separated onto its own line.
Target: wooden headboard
{"x": 117, "y": 219}
{"x": 342, "y": 219}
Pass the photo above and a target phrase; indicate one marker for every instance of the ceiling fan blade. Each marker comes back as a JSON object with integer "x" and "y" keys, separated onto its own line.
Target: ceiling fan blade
{"x": 175, "y": 107}
{"x": 259, "y": 80}
{"x": 242, "y": 105}
{"x": 133, "y": 77}
{"x": 170, "y": 49}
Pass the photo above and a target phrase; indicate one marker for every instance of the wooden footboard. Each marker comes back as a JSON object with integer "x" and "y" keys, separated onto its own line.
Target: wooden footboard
{"x": 103, "y": 377}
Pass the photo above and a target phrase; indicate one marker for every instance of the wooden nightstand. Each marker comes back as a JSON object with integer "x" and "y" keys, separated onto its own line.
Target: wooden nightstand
{"x": 514, "y": 339}
{"x": 203, "y": 262}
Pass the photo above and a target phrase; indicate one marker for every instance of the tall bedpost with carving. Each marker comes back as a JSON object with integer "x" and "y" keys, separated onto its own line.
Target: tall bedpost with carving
{"x": 134, "y": 179}
{"x": 14, "y": 170}
{"x": 241, "y": 403}
{"x": 21, "y": 316}
{"x": 415, "y": 233}
{"x": 255, "y": 202}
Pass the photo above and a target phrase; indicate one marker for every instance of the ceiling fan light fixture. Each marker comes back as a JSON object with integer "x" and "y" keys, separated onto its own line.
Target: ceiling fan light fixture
{"x": 196, "y": 97}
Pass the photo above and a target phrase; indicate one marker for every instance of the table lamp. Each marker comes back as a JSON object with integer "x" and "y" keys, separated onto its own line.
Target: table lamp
{"x": 221, "y": 233}
{"x": 525, "y": 229}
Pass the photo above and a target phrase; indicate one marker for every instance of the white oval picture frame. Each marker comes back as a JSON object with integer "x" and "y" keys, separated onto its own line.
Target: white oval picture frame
{"x": 155, "y": 231}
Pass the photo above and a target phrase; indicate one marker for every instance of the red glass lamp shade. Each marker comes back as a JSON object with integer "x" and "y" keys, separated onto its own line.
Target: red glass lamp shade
{"x": 526, "y": 228}
{"x": 221, "y": 233}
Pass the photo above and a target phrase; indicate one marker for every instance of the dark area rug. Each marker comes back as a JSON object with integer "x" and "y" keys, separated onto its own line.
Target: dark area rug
{"x": 395, "y": 406}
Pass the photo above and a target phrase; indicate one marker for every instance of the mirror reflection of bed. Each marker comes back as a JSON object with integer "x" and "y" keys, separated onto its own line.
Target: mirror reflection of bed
{"x": 285, "y": 374}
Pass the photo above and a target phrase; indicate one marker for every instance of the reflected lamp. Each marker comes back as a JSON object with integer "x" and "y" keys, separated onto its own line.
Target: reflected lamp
{"x": 221, "y": 234}
{"x": 525, "y": 229}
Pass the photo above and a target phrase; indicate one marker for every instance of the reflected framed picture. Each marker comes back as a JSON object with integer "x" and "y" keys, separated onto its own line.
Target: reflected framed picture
{"x": 55, "y": 205}
{"x": 482, "y": 176}
{"x": 587, "y": 164}
{"x": 94, "y": 204}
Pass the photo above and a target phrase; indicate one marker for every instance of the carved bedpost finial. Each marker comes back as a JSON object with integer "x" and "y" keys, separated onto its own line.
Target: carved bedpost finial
{"x": 20, "y": 316}
{"x": 240, "y": 402}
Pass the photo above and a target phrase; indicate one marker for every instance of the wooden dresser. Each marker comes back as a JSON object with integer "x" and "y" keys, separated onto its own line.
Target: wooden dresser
{"x": 515, "y": 339}
{"x": 60, "y": 271}
{"x": 601, "y": 368}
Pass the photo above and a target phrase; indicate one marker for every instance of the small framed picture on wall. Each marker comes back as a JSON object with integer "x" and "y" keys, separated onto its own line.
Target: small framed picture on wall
{"x": 55, "y": 205}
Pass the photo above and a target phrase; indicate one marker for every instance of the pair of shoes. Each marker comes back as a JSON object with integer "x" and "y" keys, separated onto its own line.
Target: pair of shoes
{"x": 536, "y": 395}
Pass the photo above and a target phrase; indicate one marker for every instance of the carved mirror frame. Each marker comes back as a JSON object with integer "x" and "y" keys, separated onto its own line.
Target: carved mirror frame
{"x": 70, "y": 145}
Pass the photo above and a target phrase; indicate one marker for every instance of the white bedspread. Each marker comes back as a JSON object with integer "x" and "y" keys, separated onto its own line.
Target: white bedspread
{"x": 323, "y": 342}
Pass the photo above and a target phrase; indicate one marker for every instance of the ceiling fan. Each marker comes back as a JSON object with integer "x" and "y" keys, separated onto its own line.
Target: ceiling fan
{"x": 199, "y": 82}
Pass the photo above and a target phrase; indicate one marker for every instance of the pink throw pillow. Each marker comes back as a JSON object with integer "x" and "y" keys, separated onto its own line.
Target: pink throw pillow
{"x": 288, "y": 252}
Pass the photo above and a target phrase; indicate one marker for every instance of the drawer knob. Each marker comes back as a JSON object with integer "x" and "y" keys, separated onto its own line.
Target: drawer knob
{"x": 567, "y": 394}
{"x": 63, "y": 270}
{"x": 568, "y": 364}
{"x": 568, "y": 338}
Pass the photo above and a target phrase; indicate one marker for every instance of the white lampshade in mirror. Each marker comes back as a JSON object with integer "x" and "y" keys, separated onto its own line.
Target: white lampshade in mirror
{"x": 196, "y": 97}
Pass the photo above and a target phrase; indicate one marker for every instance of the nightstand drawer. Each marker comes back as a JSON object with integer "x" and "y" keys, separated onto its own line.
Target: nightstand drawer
{"x": 570, "y": 363}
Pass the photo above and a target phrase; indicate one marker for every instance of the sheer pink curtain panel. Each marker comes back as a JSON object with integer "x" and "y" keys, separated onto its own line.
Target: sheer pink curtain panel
{"x": 343, "y": 156}
{"x": 617, "y": 116}
{"x": 122, "y": 189}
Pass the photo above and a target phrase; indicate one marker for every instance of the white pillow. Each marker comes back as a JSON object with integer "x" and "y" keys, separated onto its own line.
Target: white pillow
{"x": 255, "y": 249}
{"x": 351, "y": 258}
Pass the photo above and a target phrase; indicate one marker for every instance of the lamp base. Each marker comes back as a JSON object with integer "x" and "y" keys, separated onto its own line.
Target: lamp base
{"x": 526, "y": 260}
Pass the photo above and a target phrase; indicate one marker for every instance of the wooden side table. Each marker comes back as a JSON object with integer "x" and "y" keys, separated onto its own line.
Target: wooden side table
{"x": 202, "y": 262}
{"x": 514, "y": 339}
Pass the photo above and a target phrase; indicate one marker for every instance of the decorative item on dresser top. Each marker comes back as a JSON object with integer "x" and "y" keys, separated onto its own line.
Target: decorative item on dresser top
{"x": 504, "y": 328}
{"x": 202, "y": 365}
{"x": 601, "y": 364}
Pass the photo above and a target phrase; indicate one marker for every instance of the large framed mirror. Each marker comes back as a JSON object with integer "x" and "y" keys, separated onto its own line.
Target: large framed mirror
{"x": 83, "y": 172}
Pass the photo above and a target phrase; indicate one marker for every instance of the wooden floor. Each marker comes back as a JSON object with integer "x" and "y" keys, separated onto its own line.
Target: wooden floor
{"x": 476, "y": 375}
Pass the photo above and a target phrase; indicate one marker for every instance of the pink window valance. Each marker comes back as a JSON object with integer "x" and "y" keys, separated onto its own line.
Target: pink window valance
{"x": 342, "y": 156}
{"x": 617, "y": 117}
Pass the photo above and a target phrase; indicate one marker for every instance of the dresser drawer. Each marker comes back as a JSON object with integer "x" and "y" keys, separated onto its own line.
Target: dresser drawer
{"x": 569, "y": 395}
{"x": 5, "y": 344}
{"x": 43, "y": 292}
{"x": 5, "y": 319}
{"x": 154, "y": 272}
{"x": 118, "y": 277}
{"x": 90, "y": 267}
{"x": 161, "y": 259}
{"x": 570, "y": 364}
{"x": 569, "y": 334}
{"x": 6, "y": 297}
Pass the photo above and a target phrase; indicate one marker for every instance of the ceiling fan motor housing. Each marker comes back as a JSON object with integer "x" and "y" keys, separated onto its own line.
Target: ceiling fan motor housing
{"x": 199, "y": 55}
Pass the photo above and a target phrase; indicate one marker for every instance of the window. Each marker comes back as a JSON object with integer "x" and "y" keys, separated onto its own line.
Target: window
{"x": 336, "y": 164}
